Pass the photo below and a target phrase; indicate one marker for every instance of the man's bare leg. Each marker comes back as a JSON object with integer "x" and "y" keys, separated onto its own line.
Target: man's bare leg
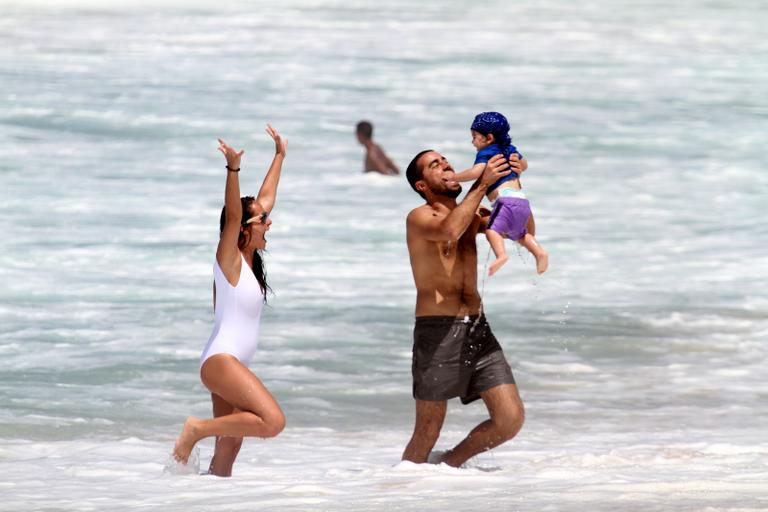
{"x": 497, "y": 245}
{"x": 542, "y": 257}
{"x": 507, "y": 416}
{"x": 429, "y": 421}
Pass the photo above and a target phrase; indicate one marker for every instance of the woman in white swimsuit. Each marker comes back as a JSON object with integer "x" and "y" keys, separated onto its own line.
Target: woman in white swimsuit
{"x": 242, "y": 406}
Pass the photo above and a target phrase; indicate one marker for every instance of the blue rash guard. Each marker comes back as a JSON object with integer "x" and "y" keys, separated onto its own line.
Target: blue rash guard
{"x": 486, "y": 153}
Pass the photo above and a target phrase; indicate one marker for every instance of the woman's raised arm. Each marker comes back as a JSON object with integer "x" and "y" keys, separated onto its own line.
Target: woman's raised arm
{"x": 268, "y": 190}
{"x": 227, "y": 253}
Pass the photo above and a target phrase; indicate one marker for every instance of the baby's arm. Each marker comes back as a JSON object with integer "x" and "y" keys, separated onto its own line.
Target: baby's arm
{"x": 472, "y": 173}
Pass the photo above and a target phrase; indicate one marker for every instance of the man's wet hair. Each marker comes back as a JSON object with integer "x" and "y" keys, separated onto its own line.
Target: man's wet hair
{"x": 365, "y": 128}
{"x": 414, "y": 173}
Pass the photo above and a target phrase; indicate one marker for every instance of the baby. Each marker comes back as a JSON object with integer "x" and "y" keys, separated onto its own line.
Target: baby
{"x": 511, "y": 215}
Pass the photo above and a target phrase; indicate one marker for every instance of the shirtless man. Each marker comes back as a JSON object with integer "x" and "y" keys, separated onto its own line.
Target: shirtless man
{"x": 454, "y": 352}
{"x": 376, "y": 160}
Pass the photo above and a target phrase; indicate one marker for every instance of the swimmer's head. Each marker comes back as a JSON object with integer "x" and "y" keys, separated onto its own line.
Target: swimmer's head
{"x": 364, "y": 131}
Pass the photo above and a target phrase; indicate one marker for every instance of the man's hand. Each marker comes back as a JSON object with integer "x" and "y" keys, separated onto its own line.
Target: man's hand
{"x": 496, "y": 168}
{"x": 515, "y": 164}
{"x": 483, "y": 211}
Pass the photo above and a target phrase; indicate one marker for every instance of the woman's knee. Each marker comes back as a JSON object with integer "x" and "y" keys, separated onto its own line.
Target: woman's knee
{"x": 274, "y": 424}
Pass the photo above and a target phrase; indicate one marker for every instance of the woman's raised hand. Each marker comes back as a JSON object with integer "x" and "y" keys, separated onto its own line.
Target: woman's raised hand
{"x": 281, "y": 144}
{"x": 232, "y": 156}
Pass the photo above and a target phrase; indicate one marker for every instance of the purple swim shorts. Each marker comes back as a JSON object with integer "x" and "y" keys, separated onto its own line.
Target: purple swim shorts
{"x": 510, "y": 216}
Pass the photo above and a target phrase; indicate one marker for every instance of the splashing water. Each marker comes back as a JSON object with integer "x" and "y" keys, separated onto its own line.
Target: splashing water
{"x": 192, "y": 467}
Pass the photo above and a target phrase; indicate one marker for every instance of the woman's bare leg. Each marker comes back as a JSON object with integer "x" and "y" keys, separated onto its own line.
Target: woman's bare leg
{"x": 259, "y": 414}
{"x": 226, "y": 448}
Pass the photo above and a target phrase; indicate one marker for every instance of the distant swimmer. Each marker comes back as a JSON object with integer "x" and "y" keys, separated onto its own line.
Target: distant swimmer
{"x": 375, "y": 158}
{"x": 511, "y": 216}
{"x": 242, "y": 405}
{"x": 455, "y": 354}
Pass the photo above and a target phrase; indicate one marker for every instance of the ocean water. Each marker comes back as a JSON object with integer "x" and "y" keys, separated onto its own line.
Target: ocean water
{"x": 641, "y": 354}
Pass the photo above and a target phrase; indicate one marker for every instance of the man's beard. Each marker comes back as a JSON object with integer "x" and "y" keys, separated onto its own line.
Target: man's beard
{"x": 453, "y": 194}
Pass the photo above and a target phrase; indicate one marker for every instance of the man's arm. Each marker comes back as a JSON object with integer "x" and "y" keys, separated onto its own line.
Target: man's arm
{"x": 428, "y": 224}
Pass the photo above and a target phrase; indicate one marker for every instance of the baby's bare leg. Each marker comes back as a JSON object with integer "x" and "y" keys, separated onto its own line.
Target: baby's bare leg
{"x": 530, "y": 227}
{"x": 542, "y": 258}
{"x": 497, "y": 245}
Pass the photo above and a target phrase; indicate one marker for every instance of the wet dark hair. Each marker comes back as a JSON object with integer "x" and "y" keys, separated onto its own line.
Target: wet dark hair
{"x": 414, "y": 173}
{"x": 365, "y": 128}
{"x": 258, "y": 263}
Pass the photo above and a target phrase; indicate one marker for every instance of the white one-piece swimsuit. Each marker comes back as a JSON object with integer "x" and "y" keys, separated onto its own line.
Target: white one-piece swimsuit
{"x": 238, "y": 316}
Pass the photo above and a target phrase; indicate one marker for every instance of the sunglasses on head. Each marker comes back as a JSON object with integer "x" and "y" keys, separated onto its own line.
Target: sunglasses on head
{"x": 260, "y": 218}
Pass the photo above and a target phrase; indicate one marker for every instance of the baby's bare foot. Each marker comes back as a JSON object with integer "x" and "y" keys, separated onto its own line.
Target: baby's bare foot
{"x": 542, "y": 262}
{"x": 496, "y": 265}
